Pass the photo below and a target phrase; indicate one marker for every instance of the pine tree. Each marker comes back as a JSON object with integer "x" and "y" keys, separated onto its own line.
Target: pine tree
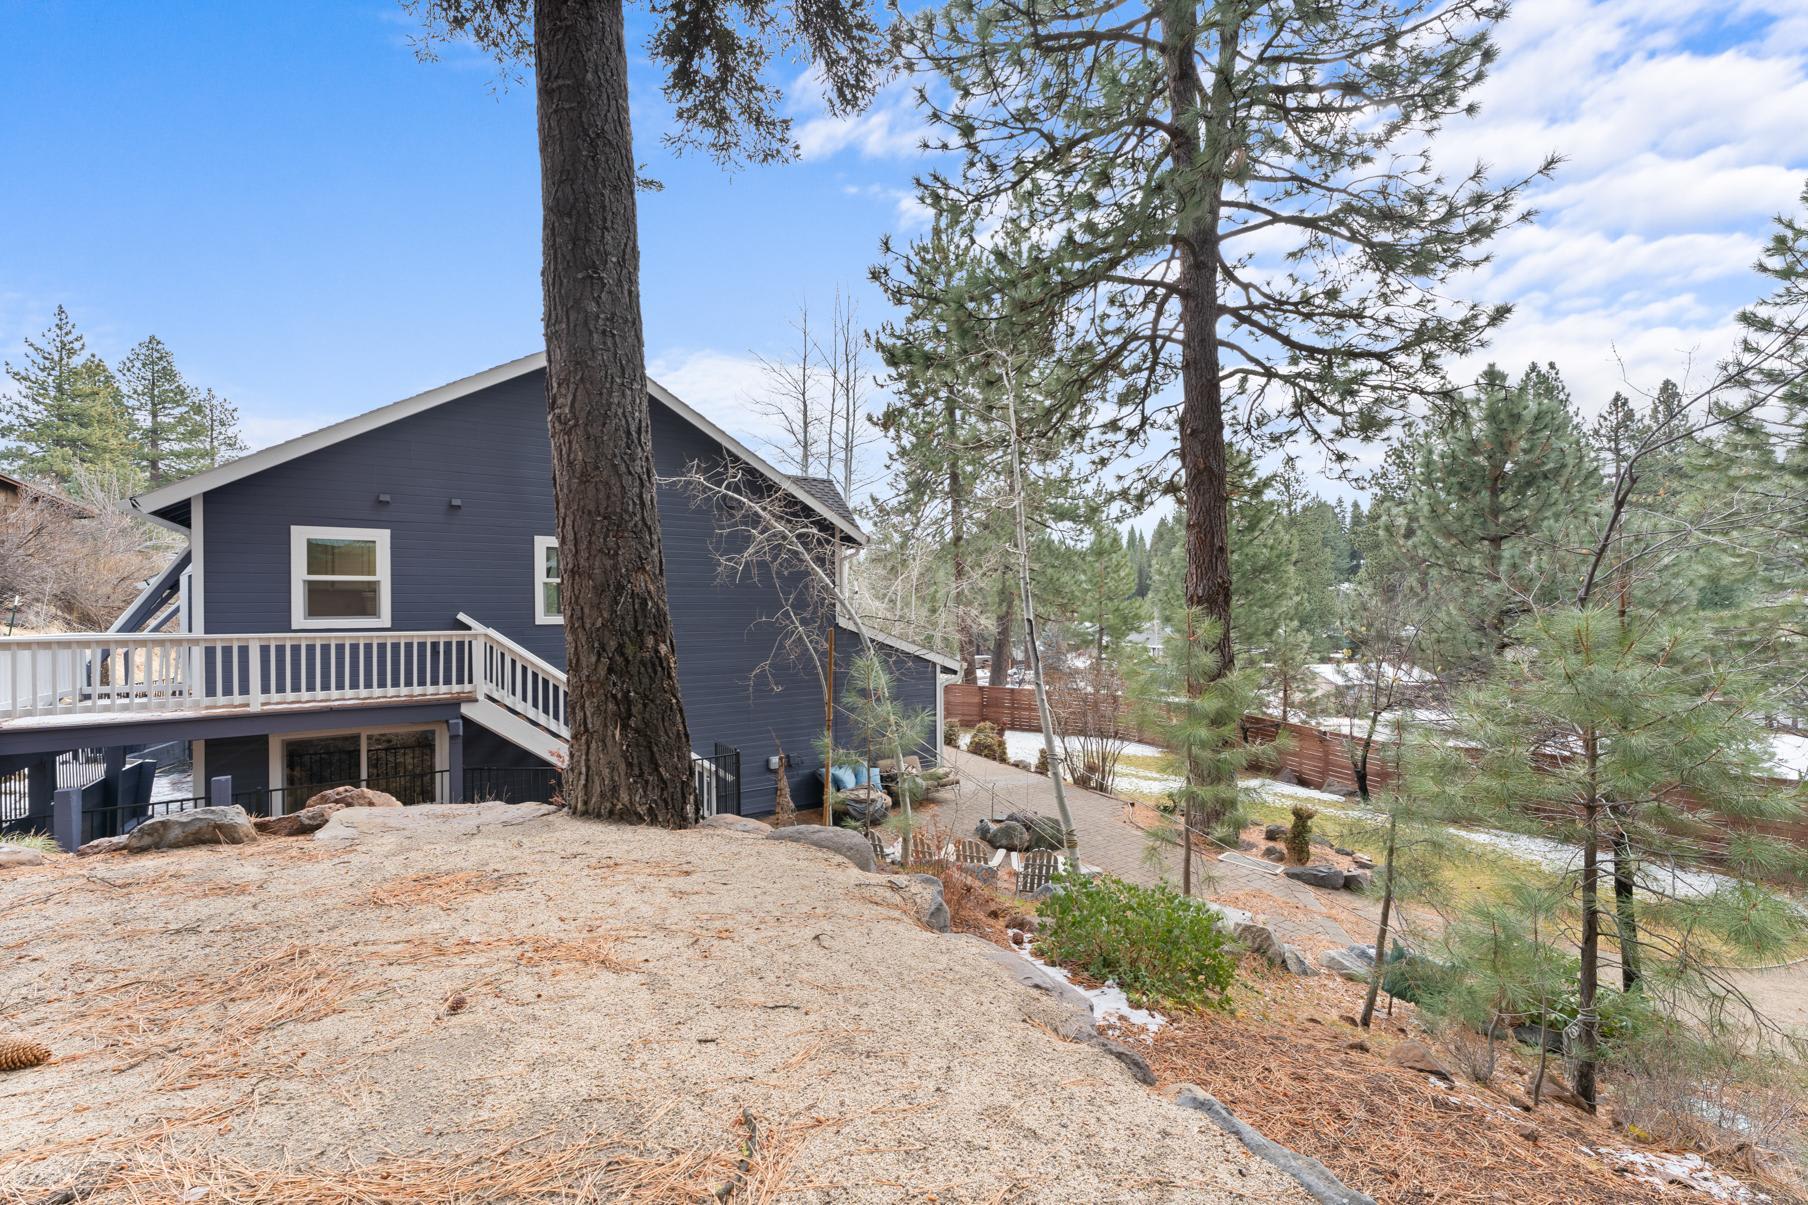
{"x": 64, "y": 413}
{"x": 1135, "y": 152}
{"x": 1633, "y": 739}
{"x": 221, "y": 437}
{"x": 630, "y": 747}
{"x": 169, "y": 430}
{"x": 1496, "y": 487}
{"x": 1110, "y": 609}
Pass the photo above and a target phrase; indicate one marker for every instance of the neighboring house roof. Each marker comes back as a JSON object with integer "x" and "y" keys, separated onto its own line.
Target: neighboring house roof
{"x": 17, "y": 486}
{"x": 177, "y": 493}
{"x": 825, "y": 492}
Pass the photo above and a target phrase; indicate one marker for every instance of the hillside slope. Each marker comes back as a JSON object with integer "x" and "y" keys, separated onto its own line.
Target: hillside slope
{"x": 491, "y": 1004}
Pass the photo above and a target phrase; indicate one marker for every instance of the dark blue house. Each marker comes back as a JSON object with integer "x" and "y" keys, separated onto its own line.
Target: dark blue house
{"x": 378, "y": 602}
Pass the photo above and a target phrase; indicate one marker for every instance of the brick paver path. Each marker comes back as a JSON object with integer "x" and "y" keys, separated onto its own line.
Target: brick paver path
{"x": 1108, "y": 840}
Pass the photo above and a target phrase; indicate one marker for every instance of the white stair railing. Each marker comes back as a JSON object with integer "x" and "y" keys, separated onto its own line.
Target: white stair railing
{"x": 524, "y": 683}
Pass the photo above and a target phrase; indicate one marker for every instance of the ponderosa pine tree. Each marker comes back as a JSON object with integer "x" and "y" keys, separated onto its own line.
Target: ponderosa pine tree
{"x": 63, "y": 413}
{"x": 630, "y": 750}
{"x": 221, "y": 438}
{"x": 1105, "y": 581}
{"x": 1498, "y": 482}
{"x": 1234, "y": 195}
{"x": 169, "y": 429}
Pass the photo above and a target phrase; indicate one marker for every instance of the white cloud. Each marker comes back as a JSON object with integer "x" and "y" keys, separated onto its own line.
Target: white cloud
{"x": 891, "y": 127}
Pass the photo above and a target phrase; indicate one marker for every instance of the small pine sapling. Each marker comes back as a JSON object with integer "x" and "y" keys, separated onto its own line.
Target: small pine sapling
{"x": 1299, "y": 834}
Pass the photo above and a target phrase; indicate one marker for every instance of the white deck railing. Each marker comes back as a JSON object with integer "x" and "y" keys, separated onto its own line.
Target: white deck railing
{"x": 116, "y": 675}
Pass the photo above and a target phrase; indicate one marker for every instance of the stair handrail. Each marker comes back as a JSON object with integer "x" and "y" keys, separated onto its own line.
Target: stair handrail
{"x": 533, "y": 659}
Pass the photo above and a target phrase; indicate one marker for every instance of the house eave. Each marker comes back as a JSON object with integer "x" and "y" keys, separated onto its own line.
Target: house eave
{"x": 151, "y": 502}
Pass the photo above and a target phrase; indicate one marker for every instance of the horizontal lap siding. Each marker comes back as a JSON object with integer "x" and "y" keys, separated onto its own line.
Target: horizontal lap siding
{"x": 491, "y": 451}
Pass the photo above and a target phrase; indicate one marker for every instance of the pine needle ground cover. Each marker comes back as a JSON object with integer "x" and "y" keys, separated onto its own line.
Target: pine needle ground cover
{"x": 553, "y": 1010}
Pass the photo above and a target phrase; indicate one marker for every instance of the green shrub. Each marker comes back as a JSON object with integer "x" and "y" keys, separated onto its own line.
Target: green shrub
{"x": 987, "y": 743}
{"x": 951, "y": 735}
{"x": 1159, "y": 947}
{"x": 1299, "y": 834}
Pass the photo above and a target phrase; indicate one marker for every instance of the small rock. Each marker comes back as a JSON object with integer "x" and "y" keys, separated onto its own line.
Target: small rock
{"x": 1529, "y": 1133}
{"x": 1419, "y": 1057}
{"x": 18, "y": 855}
{"x": 199, "y": 826}
{"x": 101, "y": 845}
{"x": 1287, "y": 777}
{"x": 1021, "y": 921}
{"x": 1275, "y": 832}
{"x": 1321, "y": 842}
{"x": 1360, "y": 1046}
{"x": 1319, "y": 874}
{"x": 1356, "y": 880}
{"x": 1340, "y": 850}
{"x": 1260, "y": 939}
{"x": 1045, "y": 832}
{"x": 1275, "y": 853}
{"x": 295, "y": 824}
{"x": 457, "y": 1003}
{"x": 1023, "y": 764}
{"x": 355, "y": 797}
{"x": 1363, "y": 861}
{"x": 981, "y": 873}
{"x": 735, "y": 824}
{"x": 1296, "y": 963}
{"x": 849, "y": 844}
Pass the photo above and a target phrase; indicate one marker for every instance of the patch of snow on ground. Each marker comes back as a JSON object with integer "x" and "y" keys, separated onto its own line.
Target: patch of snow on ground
{"x": 1108, "y": 1002}
{"x": 1027, "y": 746}
{"x": 1662, "y": 1169}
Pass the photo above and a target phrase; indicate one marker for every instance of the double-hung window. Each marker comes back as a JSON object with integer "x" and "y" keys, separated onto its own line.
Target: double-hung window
{"x": 340, "y": 577}
{"x": 549, "y": 607}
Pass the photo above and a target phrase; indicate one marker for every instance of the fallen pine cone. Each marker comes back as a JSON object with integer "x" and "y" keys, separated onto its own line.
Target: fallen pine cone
{"x": 456, "y": 1004}
{"x": 16, "y": 1054}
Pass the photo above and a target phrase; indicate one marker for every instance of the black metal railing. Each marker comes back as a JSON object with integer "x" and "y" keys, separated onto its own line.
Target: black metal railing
{"x": 718, "y": 781}
{"x": 513, "y": 784}
{"x": 413, "y": 787}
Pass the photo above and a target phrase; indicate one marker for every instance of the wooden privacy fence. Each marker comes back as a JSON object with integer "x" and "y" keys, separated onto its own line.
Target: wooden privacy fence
{"x": 1319, "y": 759}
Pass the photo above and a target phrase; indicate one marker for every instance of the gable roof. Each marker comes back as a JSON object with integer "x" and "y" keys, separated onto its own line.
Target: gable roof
{"x": 179, "y": 492}
{"x": 827, "y": 493}
{"x": 20, "y": 488}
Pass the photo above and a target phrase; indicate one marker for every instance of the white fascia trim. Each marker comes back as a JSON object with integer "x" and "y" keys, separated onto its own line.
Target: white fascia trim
{"x": 257, "y": 462}
{"x": 298, "y": 577}
{"x": 903, "y": 646}
{"x": 197, "y": 565}
{"x": 541, "y": 544}
{"x": 741, "y": 450}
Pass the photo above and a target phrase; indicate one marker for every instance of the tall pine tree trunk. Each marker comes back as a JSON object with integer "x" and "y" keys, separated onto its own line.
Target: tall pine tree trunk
{"x": 1205, "y": 475}
{"x": 1001, "y": 639}
{"x": 630, "y": 752}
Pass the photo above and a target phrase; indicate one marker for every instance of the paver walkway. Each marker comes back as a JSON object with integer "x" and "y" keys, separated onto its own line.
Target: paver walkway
{"x": 1110, "y": 841}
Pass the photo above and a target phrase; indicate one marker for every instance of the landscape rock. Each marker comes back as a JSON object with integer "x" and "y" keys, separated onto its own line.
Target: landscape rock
{"x": 1023, "y": 922}
{"x": 354, "y": 797}
{"x": 1275, "y": 853}
{"x": 1321, "y": 841}
{"x": 1419, "y": 1057}
{"x": 735, "y": 824}
{"x": 1318, "y": 874}
{"x": 1296, "y": 962}
{"x": 1363, "y": 861}
{"x": 1023, "y": 764}
{"x": 1287, "y": 777}
{"x": 1348, "y": 963}
{"x": 1006, "y": 835}
{"x": 1356, "y": 880}
{"x": 18, "y": 855}
{"x": 1045, "y": 832}
{"x": 295, "y": 824}
{"x": 200, "y": 826}
{"x": 1341, "y": 851}
{"x": 923, "y": 895}
{"x": 1263, "y": 940}
{"x": 101, "y": 845}
{"x": 850, "y": 845}
{"x": 1275, "y": 832}
{"x": 1306, "y": 1171}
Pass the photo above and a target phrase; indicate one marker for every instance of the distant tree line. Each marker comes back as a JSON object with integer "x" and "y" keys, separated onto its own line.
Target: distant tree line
{"x": 67, "y": 413}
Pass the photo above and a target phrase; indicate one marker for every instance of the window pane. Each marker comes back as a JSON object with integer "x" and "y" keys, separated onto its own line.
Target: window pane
{"x": 343, "y": 558}
{"x": 552, "y": 562}
{"x": 549, "y": 598}
{"x": 343, "y": 600}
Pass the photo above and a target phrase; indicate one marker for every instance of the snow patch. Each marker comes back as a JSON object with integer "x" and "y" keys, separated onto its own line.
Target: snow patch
{"x": 1662, "y": 1169}
{"x": 1108, "y": 1003}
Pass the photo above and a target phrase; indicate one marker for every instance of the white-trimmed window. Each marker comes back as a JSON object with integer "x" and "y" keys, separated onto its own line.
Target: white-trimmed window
{"x": 549, "y": 606}
{"x": 340, "y": 577}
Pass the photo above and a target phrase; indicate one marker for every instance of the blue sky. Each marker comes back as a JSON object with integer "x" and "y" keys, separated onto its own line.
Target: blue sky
{"x": 317, "y": 223}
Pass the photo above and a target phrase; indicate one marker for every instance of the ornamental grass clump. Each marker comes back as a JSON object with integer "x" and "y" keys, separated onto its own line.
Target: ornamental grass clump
{"x": 1162, "y": 949}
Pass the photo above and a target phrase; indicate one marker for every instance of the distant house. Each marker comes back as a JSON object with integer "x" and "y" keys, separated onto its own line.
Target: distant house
{"x": 379, "y": 601}
{"x": 15, "y": 490}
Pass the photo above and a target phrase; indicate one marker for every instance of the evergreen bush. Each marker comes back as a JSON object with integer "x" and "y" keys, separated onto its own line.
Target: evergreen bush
{"x": 1299, "y": 834}
{"x": 1161, "y": 948}
{"x": 988, "y": 743}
